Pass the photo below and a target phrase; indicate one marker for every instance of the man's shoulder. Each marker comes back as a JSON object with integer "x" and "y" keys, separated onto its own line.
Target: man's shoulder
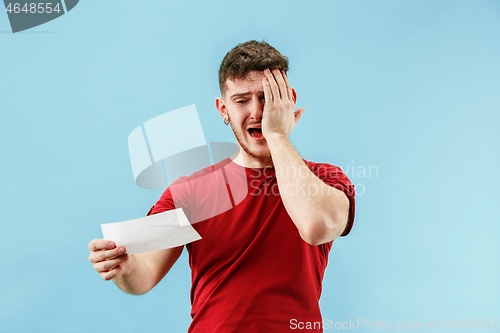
{"x": 211, "y": 169}
{"x": 321, "y": 168}
{"x": 332, "y": 175}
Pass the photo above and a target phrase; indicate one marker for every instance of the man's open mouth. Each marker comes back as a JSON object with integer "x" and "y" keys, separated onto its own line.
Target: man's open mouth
{"x": 255, "y": 132}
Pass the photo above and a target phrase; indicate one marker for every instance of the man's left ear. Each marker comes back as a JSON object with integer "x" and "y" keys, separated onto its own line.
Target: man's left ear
{"x": 294, "y": 96}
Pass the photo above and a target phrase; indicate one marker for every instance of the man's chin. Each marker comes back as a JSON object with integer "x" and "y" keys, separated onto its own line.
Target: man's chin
{"x": 259, "y": 155}
{"x": 259, "y": 152}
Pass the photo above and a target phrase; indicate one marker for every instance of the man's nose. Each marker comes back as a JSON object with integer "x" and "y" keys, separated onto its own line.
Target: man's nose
{"x": 257, "y": 108}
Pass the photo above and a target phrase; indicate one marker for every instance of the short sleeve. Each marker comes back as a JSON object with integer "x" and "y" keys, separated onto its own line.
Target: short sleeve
{"x": 177, "y": 195}
{"x": 336, "y": 178}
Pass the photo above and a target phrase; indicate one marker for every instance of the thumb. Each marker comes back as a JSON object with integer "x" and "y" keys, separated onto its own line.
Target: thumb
{"x": 298, "y": 113}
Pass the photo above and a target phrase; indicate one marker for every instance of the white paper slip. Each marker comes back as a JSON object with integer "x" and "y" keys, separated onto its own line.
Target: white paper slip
{"x": 155, "y": 232}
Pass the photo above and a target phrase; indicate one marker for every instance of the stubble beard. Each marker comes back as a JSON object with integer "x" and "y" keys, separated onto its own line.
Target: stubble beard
{"x": 245, "y": 147}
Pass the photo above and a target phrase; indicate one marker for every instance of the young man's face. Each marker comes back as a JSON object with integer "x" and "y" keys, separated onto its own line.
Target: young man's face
{"x": 243, "y": 105}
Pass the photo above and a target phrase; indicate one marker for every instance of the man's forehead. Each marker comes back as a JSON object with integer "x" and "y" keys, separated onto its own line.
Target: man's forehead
{"x": 249, "y": 77}
{"x": 253, "y": 78}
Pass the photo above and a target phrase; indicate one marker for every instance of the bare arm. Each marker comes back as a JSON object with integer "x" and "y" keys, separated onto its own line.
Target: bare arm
{"x": 319, "y": 211}
{"x": 134, "y": 274}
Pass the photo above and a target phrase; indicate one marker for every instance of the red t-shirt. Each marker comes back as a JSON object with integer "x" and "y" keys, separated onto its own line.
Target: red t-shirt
{"x": 251, "y": 271}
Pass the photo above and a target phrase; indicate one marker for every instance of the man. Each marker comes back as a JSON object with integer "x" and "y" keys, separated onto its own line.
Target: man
{"x": 260, "y": 264}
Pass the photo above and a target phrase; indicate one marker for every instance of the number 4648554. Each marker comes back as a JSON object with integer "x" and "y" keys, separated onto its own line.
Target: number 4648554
{"x": 33, "y": 8}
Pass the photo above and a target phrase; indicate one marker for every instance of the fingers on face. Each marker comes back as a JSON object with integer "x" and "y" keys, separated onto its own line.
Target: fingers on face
{"x": 281, "y": 84}
{"x": 267, "y": 90}
{"x": 288, "y": 88}
{"x": 278, "y": 83}
{"x": 272, "y": 84}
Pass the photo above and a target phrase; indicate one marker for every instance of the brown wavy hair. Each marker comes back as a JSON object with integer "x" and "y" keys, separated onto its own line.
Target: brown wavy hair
{"x": 249, "y": 56}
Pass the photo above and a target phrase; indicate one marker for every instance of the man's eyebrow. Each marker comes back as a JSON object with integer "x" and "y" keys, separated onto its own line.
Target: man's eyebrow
{"x": 259, "y": 93}
{"x": 233, "y": 96}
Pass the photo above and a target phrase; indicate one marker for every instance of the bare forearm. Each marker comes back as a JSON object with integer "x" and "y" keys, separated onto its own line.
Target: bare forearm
{"x": 318, "y": 210}
{"x": 138, "y": 279}
{"x": 146, "y": 270}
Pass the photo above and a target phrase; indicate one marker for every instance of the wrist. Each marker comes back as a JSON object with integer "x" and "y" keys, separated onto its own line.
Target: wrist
{"x": 274, "y": 138}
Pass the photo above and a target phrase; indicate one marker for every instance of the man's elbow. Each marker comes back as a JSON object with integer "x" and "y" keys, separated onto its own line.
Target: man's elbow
{"x": 137, "y": 291}
{"x": 323, "y": 231}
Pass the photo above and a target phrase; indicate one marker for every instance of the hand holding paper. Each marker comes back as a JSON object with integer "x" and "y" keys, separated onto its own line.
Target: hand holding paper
{"x": 108, "y": 259}
{"x": 156, "y": 232}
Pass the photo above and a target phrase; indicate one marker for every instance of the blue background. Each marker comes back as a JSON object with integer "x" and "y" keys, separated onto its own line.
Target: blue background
{"x": 409, "y": 88}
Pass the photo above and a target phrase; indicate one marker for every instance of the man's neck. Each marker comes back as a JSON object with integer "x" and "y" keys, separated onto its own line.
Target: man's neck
{"x": 247, "y": 161}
